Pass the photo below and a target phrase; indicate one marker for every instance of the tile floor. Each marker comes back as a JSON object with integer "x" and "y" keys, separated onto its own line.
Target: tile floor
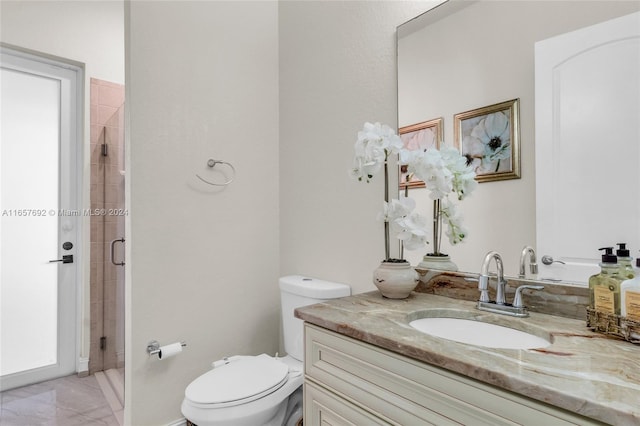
{"x": 67, "y": 401}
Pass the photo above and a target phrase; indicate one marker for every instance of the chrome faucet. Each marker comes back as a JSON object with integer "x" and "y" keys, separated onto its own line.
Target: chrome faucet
{"x": 483, "y": 280}
{"x": 528, "y": 251}
{"x": 500, "y": 305}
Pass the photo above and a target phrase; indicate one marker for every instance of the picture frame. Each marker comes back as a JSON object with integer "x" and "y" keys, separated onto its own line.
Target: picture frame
{"x": 424, "y": 135}
{"x": 490, "y": 139}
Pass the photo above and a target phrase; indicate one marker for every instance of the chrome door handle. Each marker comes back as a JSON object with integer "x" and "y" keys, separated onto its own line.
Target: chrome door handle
{"x": 548, "y": 260}
{"x": 67, "y": 258}
{"x": 113, "y": 244}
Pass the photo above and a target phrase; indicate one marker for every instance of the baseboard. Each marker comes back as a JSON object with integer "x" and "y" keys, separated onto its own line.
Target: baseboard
{"x": 82, "y": 367}
{"x": 179, "y": 422}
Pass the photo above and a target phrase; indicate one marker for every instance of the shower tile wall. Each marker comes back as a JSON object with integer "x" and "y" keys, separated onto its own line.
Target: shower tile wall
{"x": 107, "y": 199}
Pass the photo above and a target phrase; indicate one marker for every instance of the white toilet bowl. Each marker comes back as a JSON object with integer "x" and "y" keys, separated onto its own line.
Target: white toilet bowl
{"x": 248, "y": 391}
{"x": 261, "y": 390}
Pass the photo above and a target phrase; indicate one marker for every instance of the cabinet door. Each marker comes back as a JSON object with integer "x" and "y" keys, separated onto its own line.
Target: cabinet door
{"x": 403, "y": 391}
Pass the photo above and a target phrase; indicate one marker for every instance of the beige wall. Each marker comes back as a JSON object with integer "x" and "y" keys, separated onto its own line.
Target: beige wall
{"x": 91, "y": 33}
{"x": 202, "y": 82}
{"x": 205, "y": 263}
{"x": 337, "y": 70}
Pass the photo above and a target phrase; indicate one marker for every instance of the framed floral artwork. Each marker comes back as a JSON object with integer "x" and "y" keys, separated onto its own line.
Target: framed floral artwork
{"x": 490, "y": 139}
{"x": 420, "y": 136}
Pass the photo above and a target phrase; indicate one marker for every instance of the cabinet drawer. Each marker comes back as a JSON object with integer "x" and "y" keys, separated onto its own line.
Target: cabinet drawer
{"x": 403, "y": 391}
{"x": 323, "y": 408}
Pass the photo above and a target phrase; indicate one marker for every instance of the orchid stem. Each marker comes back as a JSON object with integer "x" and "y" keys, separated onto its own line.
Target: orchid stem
{"x": 386, "y": 199}
{"x": 406, "y": 195}
{"x": 436, "y": 227}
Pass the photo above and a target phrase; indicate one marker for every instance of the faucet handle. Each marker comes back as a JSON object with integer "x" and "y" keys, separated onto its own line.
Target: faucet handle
{"x": 517, "y": 300}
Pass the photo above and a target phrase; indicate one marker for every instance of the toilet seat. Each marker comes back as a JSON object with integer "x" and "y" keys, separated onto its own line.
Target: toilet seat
{"x": 238, "y": 382}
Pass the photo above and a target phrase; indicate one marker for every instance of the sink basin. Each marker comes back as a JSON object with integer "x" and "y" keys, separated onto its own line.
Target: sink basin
{"x": 479, "y": 333}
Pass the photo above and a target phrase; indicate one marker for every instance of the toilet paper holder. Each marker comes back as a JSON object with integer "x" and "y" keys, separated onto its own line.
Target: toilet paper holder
{"x": 153, "y": 347}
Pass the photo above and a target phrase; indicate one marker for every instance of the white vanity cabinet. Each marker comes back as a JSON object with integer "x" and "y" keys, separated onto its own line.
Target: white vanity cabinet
{"x": 349, "y": 382}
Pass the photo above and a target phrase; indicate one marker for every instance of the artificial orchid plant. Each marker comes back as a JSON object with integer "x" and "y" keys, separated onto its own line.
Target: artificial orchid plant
{"x": 443, "y": 171}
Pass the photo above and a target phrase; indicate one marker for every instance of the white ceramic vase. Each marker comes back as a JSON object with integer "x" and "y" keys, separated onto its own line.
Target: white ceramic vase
{"x": 434, "y": 265}
{"x": 395, "y": 280}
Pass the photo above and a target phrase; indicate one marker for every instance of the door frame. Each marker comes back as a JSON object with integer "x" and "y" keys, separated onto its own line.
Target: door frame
{"x": 49, "y": 66}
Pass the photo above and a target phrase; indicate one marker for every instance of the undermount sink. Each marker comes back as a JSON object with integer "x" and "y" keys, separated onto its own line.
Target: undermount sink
{"x": 478, "y": 333}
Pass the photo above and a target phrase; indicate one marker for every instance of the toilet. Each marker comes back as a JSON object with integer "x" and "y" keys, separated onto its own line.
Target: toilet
{"x": 261, "y": 390}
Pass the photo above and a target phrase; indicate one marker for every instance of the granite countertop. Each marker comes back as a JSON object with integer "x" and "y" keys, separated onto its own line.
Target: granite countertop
{"x": 581, "y": 371}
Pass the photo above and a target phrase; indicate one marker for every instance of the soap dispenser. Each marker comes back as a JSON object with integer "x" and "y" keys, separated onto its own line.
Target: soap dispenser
{"x": 625, "y": 262}
{"x": 604, "y": 287}
{"x": 630, "y": 295}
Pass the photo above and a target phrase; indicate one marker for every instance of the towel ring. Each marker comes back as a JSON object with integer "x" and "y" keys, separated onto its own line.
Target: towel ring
{"x": 212, "y": 163}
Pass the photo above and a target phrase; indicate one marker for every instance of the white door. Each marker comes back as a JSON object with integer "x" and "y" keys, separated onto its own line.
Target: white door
{"x": 587, "y": 121}
{"x": 40, "y": 220}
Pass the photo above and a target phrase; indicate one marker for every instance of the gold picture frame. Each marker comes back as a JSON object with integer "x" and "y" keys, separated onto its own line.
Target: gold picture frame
{"x": 424, "y": 135}
{"x": 490, "y": 139}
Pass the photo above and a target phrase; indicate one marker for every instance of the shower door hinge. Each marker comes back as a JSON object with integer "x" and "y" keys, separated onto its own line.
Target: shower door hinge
{"x": 103, "y": 343}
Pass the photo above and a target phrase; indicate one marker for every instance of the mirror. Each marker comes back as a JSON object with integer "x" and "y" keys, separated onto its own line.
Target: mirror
{"x": 465, "y": 55}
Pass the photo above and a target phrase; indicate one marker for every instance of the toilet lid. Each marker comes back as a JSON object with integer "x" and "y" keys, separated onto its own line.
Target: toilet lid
{"x": 240, "y": 381}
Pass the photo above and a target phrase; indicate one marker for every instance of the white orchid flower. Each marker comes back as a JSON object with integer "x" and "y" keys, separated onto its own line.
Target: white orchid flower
{"x": 463, "y": 175}
{"x": 411, "y": 230}
{"x": 443, "y": 171}
{"x": 396, "y": 208}
{"x": 455, "y": 231}
{"x": 374, "y": 144}
{"x": 430, "y": 167}
{"x": 405, "y": 225}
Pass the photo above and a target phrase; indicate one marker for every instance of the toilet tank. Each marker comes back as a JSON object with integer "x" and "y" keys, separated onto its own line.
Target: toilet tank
{"x": 297, "y": 291}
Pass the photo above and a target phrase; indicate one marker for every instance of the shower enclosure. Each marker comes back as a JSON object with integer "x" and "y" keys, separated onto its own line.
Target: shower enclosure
{"x": 108, "y": 214}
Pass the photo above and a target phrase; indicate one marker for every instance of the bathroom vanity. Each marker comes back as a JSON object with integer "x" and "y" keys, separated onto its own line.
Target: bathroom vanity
{"x": 364, "y": 364}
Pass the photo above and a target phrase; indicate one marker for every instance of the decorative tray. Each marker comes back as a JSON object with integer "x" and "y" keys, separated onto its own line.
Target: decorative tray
{"x": 614, "y": 325}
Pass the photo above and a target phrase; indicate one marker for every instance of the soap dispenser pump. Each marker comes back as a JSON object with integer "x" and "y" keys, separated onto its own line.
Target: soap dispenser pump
{"x": 625, "y": 261}
{"x": 604, "y": 287}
